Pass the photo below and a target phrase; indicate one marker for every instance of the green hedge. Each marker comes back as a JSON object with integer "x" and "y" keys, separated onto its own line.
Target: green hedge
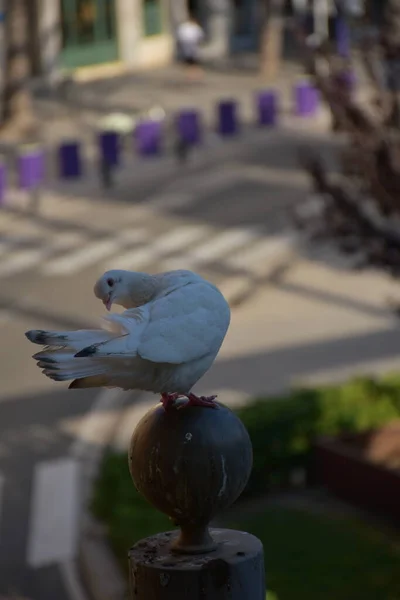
{"x": 283, "y": 429}
{"x": 117, "y": 503}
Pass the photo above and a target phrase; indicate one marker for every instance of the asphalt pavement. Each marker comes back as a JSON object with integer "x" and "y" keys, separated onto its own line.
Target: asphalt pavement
{"x": 226, "y": 219}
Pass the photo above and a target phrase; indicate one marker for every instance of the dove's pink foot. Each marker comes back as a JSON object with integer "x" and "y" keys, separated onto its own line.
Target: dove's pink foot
{"x": 168, "y": 400}
{"x": 194, "y": 400}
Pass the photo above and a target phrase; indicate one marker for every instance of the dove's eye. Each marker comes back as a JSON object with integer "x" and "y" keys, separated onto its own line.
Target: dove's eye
{"x": 110, "y": 282}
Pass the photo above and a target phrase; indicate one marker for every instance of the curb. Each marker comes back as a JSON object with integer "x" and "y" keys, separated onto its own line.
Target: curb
{"x": 96, "y": 565}
{"x": 214, "y": 149}
{"x": 94, "y": 573}
{"x": 101, "y": 575}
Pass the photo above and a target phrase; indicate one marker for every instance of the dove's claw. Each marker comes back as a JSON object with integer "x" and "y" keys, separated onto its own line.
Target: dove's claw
{"x": 168, "y": 400}
{"x": 207, "y": 401}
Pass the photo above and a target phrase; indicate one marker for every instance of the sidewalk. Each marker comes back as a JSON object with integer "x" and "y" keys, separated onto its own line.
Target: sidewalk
{"x": 87, "y": 101}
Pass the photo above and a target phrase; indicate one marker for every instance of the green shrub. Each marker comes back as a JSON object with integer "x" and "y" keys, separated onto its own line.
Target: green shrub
{"x": 283, "y": 429}
{"x": 116, "y": 502}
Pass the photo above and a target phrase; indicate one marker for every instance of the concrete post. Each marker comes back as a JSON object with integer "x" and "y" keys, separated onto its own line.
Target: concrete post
{"x": 191, "y": 463}
{"x": 50, "y": 41}
{"x": 178, "y": 11}
{"x": 218, "y": 14}
{"x": 130, "y": 30}
{"x": 2, "y": 45}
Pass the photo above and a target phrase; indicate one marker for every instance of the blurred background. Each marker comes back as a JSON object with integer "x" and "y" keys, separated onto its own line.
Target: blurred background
{"x": 257, "y": 143}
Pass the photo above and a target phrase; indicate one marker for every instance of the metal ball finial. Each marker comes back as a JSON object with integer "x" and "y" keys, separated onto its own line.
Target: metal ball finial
{"x": 190, "y": 463}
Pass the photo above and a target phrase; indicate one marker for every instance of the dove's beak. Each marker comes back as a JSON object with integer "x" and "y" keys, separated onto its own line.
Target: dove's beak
{"x": 107, "y": 301}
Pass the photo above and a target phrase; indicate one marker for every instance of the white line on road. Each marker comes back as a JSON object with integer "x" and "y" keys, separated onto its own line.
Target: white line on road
{"x": 213, "y": 250}
{"x": 225, "y": 242}
{"x": 81, "y": 258}
{"x": 54, "y": 519}
{"x": 22, "y": 260}
{"x": 258, "y": 258}
{"x": 135, "y": 235}
{"x": 167, "y": 243}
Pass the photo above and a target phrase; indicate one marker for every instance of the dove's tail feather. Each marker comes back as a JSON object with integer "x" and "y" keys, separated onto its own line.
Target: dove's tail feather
{"x": 93, "y": 357}
{"x": 72, "y": 339}
{"x": 117, "y": 346}
{"x": 61, "y": 365}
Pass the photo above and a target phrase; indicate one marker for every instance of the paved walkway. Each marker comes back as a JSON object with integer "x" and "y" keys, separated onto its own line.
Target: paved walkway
{"x": 78, "y": 110}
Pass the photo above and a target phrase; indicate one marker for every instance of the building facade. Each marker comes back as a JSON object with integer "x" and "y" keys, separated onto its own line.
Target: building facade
{"x": 87, "y": 33}
{"x": 138, "y": 34}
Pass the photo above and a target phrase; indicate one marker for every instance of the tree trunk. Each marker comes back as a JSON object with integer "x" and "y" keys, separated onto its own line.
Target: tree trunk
{"x": 271, "y": 38}
{"x": 17, "y": 104}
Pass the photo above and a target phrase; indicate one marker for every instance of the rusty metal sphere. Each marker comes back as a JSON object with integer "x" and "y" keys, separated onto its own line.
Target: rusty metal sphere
{"x": 191, "y": 463}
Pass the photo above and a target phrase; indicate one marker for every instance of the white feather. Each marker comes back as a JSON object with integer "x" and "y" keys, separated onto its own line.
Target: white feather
{"x": 165, "y": 345}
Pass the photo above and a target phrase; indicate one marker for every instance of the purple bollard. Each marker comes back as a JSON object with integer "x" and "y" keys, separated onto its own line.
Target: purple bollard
{"x": 342, "y": 34}
{"x": 149, "y": 137}
{"x": 70, "y": 162}
{"x": 3, "y": 183}
{"x": 267, "y": 107}
{"x": 227, "y": 118}
{"x": 31, "y": 167}
{"x": 306, "y": 99}
{"x": 188, "y": 126}
{"x": 110, "y": 148}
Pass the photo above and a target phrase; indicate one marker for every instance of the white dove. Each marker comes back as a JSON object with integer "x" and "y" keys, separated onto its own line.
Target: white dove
{"x": 164, "y": 342}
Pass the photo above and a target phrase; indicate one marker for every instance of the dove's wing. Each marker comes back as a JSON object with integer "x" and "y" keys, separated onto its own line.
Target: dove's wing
{"x": 185, "y": 325}
{"x": 110, "y": 352}
{"x": 131, "y": 325}
{"x": 182, "y": 326}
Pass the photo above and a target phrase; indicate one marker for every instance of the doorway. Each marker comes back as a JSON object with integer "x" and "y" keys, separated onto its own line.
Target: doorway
{"x": 89, "y": 34}
{"x": 245, "y": 27}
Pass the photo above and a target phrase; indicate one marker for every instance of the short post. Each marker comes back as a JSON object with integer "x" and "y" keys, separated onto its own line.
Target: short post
{"x": 70, "y": 160}
{"x": 342, "y": 34}
{"x": 306, "y": 99}
{"x": 109, "y": 146}
{"x": 267, "y": 107}
{"x": 3, "y": 183}
{"x": 31, "y": 170}
{"x": 188, "y": 127}
{"x": 227, "y": 118}
{"x": 149, "y": 137}
{"x": 191, "y": 463}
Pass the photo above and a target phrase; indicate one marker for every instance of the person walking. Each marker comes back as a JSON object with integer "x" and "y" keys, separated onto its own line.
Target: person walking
{"x": 189, "y": 37}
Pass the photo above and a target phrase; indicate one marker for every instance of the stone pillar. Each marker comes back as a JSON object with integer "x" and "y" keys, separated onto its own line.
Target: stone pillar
{"x": 219, "y": 25}
{"x": 2, "y": 45}
{"x": 50, "y": 41}
{"x": 178, "y": 12}
{"x": 192, "y": 463}
{"x": 130, "y": 30}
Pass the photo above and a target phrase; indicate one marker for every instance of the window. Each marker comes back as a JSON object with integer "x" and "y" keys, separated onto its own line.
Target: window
{"x": 153, "y": 17}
